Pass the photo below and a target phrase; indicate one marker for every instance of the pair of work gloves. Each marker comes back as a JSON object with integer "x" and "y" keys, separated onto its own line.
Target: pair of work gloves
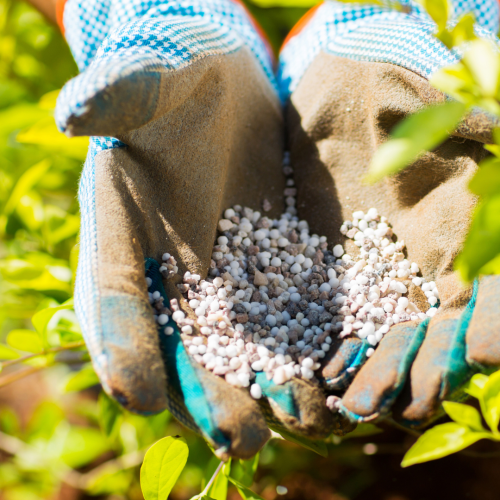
{"x": 188, "y": 118}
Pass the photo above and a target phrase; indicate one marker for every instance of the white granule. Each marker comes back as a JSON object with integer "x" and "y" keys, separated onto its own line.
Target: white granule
{"x": 275, "y": 297}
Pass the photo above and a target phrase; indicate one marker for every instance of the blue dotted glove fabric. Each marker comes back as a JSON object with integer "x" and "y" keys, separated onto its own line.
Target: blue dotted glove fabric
{"x": 378, "y": 34}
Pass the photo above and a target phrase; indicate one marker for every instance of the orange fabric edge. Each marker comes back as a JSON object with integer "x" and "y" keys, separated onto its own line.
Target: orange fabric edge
{"x": 59, "y": 14}
{"x": 301, "y": 24}
{"x": 258, "y": 28}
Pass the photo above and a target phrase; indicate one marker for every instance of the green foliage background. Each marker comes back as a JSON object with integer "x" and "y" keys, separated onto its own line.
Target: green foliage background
{"x": 77, "y": 440}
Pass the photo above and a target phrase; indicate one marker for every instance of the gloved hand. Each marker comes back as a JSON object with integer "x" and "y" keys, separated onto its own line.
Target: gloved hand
{"x": 350, "y": 74}
{"x": 184, "y": 97}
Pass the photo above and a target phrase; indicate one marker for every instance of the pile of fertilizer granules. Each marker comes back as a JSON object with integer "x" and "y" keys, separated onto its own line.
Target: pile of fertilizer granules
{"x": 275, "y": 296}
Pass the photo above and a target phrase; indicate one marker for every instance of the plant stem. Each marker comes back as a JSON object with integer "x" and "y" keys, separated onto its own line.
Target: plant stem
{"x": 67, "y": 347}
{"x": 212, "y": 479}
{"x": 17, "y": 375}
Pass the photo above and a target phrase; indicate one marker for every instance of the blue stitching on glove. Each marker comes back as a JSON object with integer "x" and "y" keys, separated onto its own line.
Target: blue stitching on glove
{"x": 342, "y": 381}
{"x": 282, "y": 395}
{"x": 403, "y": 370}
{"x": 180, "y": 371}
{"x": 458, "y": 368}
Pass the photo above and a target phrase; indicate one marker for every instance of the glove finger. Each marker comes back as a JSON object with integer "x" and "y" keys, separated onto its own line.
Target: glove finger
{"x": 342, "y": 362}
{"x": 298, "y": 406}
{"x": 439, "y": 370}
{"x": 225, "y": 415}
{"x": 381, "y": 379}
{"x": 111, "y": 299}
{"x": 126, "y": 83}
{"x": 482, "y": 339}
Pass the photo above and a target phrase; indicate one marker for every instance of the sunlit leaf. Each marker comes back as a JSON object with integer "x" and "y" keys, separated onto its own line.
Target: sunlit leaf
{"x": 82, "y": 446}
{"x": 463, "y": 31}
{"x": 440, "y": 441}
{"x": 42, "y": 318}
{"x": 417, "y": 134}
{"x": 7, "y": 353}
{"x": 218, "y": 489}
{"x": 483, "y": 61}
{"x": 482, "y": 244}
{"x": 438, "y": 10}
{"x": 457, "y": 82}
{"x": 25, "y": 340}
{"x": 285, "y": 3}
{"x": 44, "y": 420}
{"x": 162, "y": 466}
{"x": 44, "y": 133}
{"x": 318, "y": 446}
{"x": 363, "y": 430}
{"x": 486, "y": 180}
{"x": 245, "y": 492}
{"x": 82, "y": 379}
{"x": 244, "y": 470}
{"x": 464, "y": 414}
{"x": 490, "y": 401}
{"x": 111, "y": 483}
{"x": 19, "y": 116}
{"x": 476, "y": 385}
{"x": 67, "y": 229}
{"x": 31, "y": 211}
{"x": 109, "y": 412}
{"x": 25, "y": 184}
{"x": 37, "y": 271}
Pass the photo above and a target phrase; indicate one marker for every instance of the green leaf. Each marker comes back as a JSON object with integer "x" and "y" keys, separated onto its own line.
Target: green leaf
{"x": 25, "y": 184}
{"x": 318, "y": 446}
{"x": 45, "y": 420}
{"x": 245, "y": 493}
{"x": 417, "y": 134}
{"x": 82, "y": 379}
{"x": 218, "y": 489}
{"x": 456, "y": 81}
{"x": 483, "y": 241}
{"x": 285, "y": 3}
{"x": 492, "y": 267}
{"x": 363, "y": 430}
{"x": 463, "y": 30}
{"x": 30, "y": 210}
{"x": 8, "y": 353}
{"x": 464, "y": 414}
{"x": 483, "y": 62}
{"x": 25, "y": 340}
{"x": 42, "y": 318}
{"x": 82, "y": 446}
{"x": 441, "y": 441}
{"x": 162, "y": 466}
{"x": 476, "y": 385}
{"x": 486, "y": 181}
{"x": 490, "y": 401}
{"x": 438, "y": 10}
{"x": 244, "y": 470}
{"x": 17, "y": 117}
{"x": 45, "y": 134}
{"x": 109, "y": 412}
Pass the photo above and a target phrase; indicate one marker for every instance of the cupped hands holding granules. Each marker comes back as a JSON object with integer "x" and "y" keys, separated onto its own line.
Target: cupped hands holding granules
{"x": 275, "y": 296}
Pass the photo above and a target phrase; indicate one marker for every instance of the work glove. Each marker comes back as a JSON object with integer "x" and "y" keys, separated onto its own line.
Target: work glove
{"x": 349, "y": 74}
{"x": 183, "y": 109}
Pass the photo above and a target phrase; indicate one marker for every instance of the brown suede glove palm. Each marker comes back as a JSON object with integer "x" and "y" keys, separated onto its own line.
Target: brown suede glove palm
{"x": 339, "y": 114}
